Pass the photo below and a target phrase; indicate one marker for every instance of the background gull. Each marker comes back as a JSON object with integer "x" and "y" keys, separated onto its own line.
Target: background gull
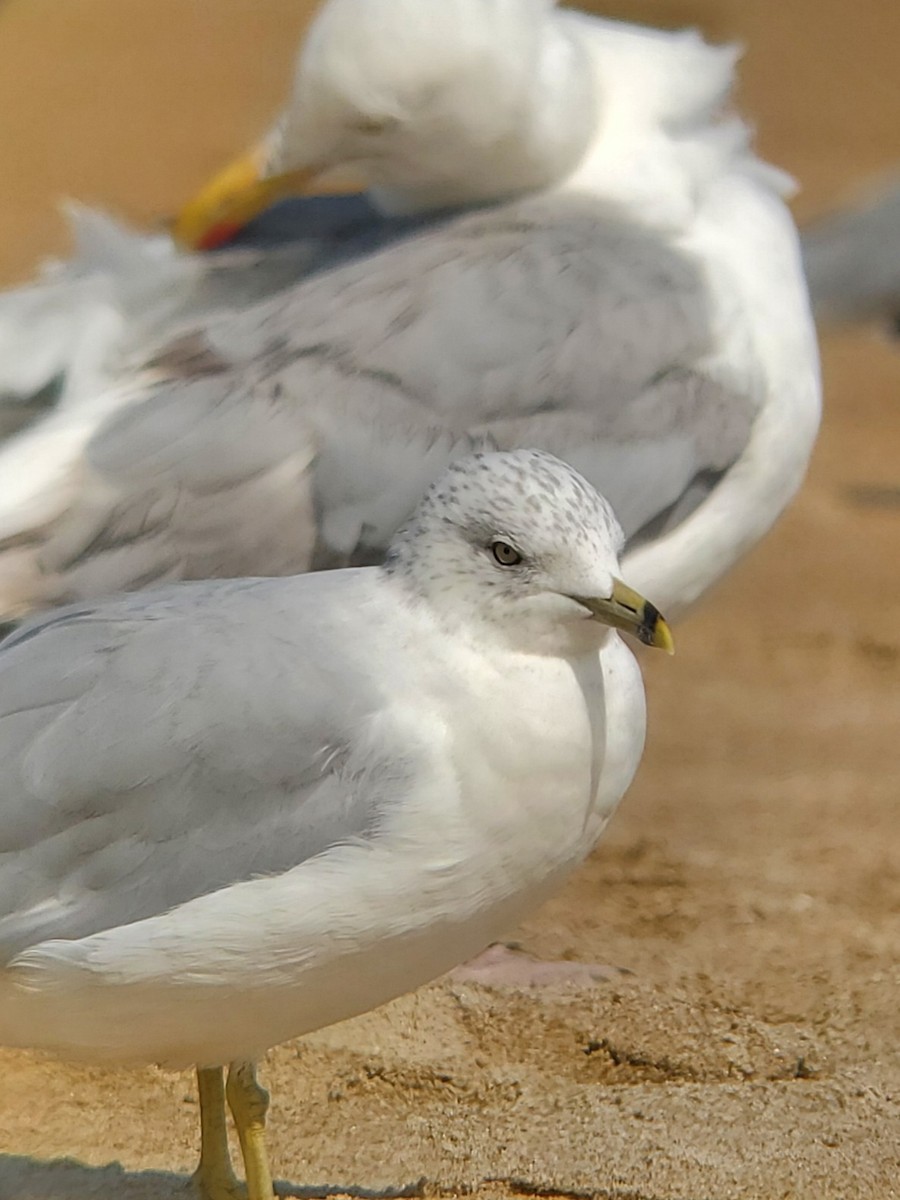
{"x": 235, "y": 812}
{"x": 852, "y": 259}
{"x": 640, "y": 312}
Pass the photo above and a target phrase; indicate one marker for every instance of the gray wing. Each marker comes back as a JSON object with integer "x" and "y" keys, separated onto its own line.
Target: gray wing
{"x": 65, "y": 335}
{"x": 217, "y": 481}
{"x": 852, "y": 261}
{"x": 548, "y": 323}
{"x": 161, "y": 747}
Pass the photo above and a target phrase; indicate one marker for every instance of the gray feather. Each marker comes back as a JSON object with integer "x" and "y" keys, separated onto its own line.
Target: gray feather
{"x": 852, "y": 261}
{"x": 132, "y": 748}
{"x": 321, "y": 414}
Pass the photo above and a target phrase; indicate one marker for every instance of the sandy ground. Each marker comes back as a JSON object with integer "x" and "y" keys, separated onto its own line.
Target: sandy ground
{"x": 751, "y": 882}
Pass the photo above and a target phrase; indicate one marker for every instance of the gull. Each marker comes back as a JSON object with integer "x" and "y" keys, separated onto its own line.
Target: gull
{"x": 852, "y": 259}
{"x": 237, "y": 811}
{"x": 626, "y": 293}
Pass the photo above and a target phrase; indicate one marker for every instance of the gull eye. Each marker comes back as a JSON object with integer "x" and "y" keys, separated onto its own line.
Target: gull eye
{"x": 505, "y": 554}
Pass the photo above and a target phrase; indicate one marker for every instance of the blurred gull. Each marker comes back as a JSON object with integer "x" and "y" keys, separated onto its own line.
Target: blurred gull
{"x": 234, "y": 812}
{"x": 636, "y": 306}
{"x": 852, "y": 259}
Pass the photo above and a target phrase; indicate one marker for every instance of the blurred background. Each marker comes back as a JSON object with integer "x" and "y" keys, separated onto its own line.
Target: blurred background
{"x": 755, "y": 867}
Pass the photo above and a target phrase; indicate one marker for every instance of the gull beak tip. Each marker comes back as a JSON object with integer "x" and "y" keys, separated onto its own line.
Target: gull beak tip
{"x": 643, "y": 620}
{"x": 661, "y": 634}
{"x": 628, "y": 610}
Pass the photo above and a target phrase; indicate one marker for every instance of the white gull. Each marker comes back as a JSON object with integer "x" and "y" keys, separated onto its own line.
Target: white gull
{"x": 234, "y": 812}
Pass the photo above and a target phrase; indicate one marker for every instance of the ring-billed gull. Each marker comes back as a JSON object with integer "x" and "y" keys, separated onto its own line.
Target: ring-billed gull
{"x": 235, "y": 812}
{"x": 644, "y": 317}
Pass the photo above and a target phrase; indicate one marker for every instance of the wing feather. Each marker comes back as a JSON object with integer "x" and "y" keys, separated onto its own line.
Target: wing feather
{"x": 553, "y": 322}
{"x": 164, "y": 746}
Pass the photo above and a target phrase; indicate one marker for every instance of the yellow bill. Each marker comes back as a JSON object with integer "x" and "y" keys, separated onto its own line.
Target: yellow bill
{"x": 233, "y": 198}
{"x": 627, "y": 609}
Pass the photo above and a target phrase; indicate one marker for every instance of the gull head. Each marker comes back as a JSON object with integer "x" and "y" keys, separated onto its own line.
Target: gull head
{"x": 518, "y": 543}
{"x": 435, "y": 104}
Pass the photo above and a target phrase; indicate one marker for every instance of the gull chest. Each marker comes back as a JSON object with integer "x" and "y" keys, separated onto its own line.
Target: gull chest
{"x": 529, "y": 758}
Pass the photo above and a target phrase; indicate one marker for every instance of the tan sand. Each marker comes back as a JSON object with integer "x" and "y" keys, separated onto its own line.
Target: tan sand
{"x": 751, "y": 882}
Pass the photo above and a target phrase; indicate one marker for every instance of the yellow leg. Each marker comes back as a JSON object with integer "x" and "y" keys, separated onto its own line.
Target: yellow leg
{"x": 249, "y": 1103}
{"x": 214, "y": 1178}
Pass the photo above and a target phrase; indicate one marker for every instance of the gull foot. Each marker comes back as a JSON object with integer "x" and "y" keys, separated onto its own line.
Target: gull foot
{"x": 208, "y": 1187}
{"x": 508, "y": 966}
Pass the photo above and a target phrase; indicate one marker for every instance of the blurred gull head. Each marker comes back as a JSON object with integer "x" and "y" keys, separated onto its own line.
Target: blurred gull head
{"x": 434, "y": 104}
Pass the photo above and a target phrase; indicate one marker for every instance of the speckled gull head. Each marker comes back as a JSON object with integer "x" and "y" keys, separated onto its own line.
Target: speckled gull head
{"x": 435, "y": 102}
{"x": 519, "y": 542}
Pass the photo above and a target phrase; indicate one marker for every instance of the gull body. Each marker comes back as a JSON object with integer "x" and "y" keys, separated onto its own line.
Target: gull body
{"x": 423, "y": 883}
{"x": 636, "y": 305}
{"x": 234, "y": 812}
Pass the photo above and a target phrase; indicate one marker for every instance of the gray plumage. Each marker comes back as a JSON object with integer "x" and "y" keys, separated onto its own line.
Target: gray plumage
{"x": 544, "y": 322}
{"x": 65, "y": 335}
{"x": 125, "y": 783}
{"x": 852, "y": 260}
